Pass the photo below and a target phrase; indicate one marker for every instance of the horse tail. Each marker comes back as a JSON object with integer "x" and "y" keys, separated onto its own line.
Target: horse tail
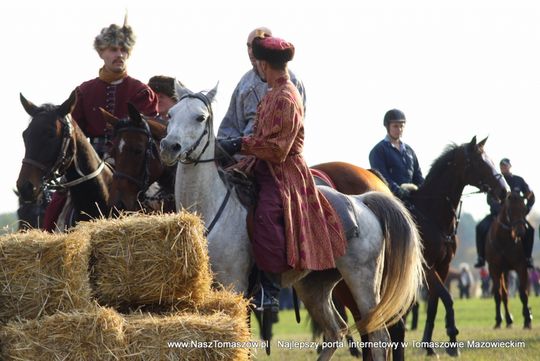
{"x": 403, "y": 261}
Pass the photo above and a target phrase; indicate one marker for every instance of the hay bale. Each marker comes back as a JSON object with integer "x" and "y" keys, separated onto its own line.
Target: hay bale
{"x": 148, "y": 259}
{"x": 94, "y": 334}
{"x": 41, "y": 273}
{"x": 187, "y": 337}
{"x": 226, "y": 301}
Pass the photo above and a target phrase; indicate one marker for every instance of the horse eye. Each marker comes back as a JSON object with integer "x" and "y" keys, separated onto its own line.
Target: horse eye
{"x": 201, "y": 118}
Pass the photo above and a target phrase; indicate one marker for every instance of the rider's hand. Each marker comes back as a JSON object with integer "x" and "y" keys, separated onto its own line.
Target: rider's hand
{"x": 231, "y": 145}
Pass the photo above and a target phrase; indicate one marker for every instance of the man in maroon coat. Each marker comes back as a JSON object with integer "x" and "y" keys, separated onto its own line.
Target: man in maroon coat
{"x": 111, "y": 90}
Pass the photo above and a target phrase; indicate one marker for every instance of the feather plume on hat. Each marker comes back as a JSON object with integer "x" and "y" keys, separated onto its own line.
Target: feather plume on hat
{"x": 115, "y": 35}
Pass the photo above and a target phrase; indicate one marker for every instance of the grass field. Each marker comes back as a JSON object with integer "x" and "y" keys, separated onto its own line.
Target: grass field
{"x": 474, "y": 317}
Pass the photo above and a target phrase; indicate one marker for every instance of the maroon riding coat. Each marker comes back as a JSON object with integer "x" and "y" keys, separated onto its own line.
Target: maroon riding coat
{"x": 113, "y": 97}
{"x": 314, "y": 237}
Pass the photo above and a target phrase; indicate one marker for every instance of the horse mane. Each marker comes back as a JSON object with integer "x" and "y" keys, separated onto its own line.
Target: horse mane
{"x": 440, "y": 164}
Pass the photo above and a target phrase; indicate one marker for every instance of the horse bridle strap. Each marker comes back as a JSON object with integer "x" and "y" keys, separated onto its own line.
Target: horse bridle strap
{"x": 83, "y": 178}
{"x": 62, "y": 162}
{"x": 188, "y": 160}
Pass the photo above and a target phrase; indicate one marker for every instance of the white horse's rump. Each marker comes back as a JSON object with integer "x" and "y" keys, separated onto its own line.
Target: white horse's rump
{"x": 385, "y": 229}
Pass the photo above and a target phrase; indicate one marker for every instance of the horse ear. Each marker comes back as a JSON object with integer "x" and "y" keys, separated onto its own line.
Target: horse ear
{"x": 30, "y": 107}
{"x": 67, "y": 106}
{"x": 181, "y": 90}
{"x": 212, "y": 93}
{"x": 134, "y": 113}
{"x": 158, "y": 130}
{"x": 473, "y": 141}
{"x": 482, "y": 143}
{"x": 109, "y": 118}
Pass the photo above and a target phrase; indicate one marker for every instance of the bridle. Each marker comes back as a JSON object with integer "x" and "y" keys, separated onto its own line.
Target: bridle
{"x": 143, "y": 181}
{"x": 506, "y": 222}
{"x": 187, "y": 159}
{"x": 52, "y": 179}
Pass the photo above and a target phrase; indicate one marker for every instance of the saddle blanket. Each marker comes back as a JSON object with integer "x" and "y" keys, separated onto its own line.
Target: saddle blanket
{"x": 344, "y": 208}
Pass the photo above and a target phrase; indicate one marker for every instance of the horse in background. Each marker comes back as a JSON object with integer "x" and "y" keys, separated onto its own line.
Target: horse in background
{"x": 59, "y": 156}
{"x": 504, "y": 252}
{"x": 365, "y": 267}
{"x": 435, "y": 208}
{"x": 140, "y": 180}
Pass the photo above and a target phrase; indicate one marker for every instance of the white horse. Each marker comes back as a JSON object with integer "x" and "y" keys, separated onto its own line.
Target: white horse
{"x": 382, "y": 265}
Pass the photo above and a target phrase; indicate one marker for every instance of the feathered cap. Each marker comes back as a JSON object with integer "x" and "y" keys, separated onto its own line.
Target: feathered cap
{"x": 115, "y": 35}
{"x": 272, "y": 49}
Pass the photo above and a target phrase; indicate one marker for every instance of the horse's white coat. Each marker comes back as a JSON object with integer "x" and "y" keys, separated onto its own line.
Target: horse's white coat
{"x": 200, "y": 189}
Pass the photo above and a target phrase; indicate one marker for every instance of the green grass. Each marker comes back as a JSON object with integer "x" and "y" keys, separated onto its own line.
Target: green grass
{"x": 474, "y": 318}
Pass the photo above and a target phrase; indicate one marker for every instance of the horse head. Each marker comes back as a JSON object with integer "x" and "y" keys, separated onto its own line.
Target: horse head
{"x": 479, "y": 170}
{"x": 513, "y": 215}
{"x": 136, "y": 157}
{"x": 190, "y": 131}
{"x": 48, "y": 146}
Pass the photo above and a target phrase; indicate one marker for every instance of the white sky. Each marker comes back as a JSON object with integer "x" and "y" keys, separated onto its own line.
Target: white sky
{"x": 456, "y": 68}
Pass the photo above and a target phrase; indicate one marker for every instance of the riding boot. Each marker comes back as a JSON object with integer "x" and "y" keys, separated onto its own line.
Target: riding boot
{"x": 481, "y": 262}
{"x": 270, "y": 284}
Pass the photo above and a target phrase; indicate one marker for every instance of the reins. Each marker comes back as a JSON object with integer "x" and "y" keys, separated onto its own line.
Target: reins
{"x": 53, "y": 177}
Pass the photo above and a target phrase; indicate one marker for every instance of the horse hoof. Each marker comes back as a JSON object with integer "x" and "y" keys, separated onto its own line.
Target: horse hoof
{"x": 509, "y": 325}
{"x": 355, "y": 352}
{"x": 268, "y": 349}
{"x": 497, "y": 326}
{"x": 527, "y": 326}
{"x": 432, "y": 353}
{"x": 452, "y": 351}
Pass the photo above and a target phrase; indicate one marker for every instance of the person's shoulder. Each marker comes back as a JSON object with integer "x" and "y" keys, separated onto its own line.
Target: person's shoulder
{"x": 250, "y": 79}
{"x": 380, "y": 145}
{"x": 88, "y": 84}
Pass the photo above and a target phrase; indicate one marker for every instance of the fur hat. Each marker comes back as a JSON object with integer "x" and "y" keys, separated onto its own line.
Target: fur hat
{"x": 165, "y": 85}
{"x": 272, "y": 50}
{"x": 115, "y": 35}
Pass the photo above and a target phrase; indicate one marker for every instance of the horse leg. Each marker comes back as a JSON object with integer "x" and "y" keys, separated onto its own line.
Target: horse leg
{"x": 496, "y": 289}
{"x": 414, "y": 322}
{"x": 340, "y": 307}
{"x": 432, "y": 303}
{"x": 504, "y": 297}
{"x": 524, "y": 297}
{"x": 361, "y": 280}
{"x": 315, "y": 291}
{"x": 397, "y": 335}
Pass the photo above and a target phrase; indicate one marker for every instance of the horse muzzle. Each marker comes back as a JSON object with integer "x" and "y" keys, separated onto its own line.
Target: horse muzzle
{"x": 27, "y": 192}
{"x": 170, "y": 152}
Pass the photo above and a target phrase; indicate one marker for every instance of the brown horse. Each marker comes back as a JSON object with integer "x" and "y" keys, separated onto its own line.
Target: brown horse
{"x": 135, "y": 150}
{"x": 504, "y": 252}
{"x": 58, "y": 156}
{"x": 434, "y": 207}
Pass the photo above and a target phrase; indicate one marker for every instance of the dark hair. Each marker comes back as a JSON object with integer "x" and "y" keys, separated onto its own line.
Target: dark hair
{"x": 164, "y": 85}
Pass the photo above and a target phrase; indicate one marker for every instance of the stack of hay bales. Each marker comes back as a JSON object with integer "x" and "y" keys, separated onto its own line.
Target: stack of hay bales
{"x": 154, "y": 261}
{"x": 41, "y": 274}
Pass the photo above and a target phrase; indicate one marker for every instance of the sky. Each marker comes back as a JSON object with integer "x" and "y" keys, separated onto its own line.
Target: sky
{"x": 455, "y": 68}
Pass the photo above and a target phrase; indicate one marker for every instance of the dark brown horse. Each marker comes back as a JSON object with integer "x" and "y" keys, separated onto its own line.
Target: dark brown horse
{"x": 504, "y": 252}
{"x": 58, "y": 156}
{"x": 434, "y": 207}
{"x": 135, "y": 150}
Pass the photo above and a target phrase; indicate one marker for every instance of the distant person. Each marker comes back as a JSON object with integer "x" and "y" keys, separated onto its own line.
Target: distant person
{"x": 465, "y": 281}
{"x": 396, "y": 160}
{"x": 485, "y": 280}
{"x": 534, "y": 276}
{"x": 165, "y": 89}
{"x": 516, "y": 184}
